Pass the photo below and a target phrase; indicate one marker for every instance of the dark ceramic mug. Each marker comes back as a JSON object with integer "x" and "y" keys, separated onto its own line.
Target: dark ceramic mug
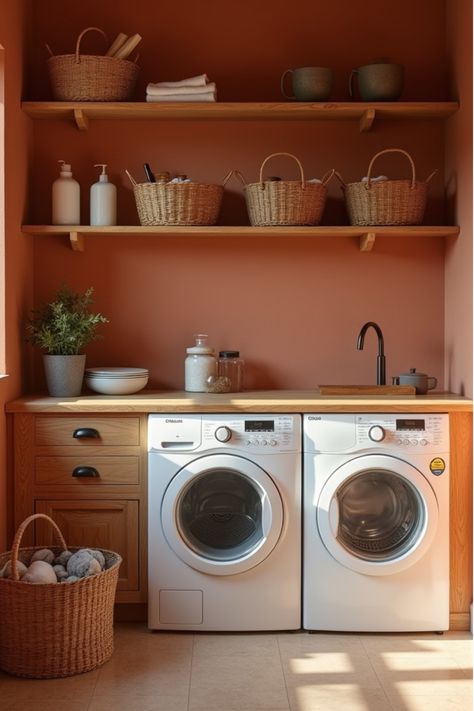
{"x": 309, "y": 83}
{"x": 378, "y": 82}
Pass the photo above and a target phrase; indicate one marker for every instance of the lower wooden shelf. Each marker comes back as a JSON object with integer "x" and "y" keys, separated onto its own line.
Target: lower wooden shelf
{"x": 366, "y": 235}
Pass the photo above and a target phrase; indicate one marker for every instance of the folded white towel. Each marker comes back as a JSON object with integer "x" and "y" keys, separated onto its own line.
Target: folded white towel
{"x": 188, "y": 90}
{"x": 200, "y": 80}
{"x": 204, "y": 96}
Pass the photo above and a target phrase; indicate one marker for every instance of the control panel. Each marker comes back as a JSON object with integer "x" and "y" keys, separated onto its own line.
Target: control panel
{"x": 413, "y": 432}
{"x": 262, "y": 433}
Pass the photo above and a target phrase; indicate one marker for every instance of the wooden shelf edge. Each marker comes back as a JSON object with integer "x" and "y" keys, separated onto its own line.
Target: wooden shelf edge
{"x": 364, "y": 112}
{"x": 366, "y": 235}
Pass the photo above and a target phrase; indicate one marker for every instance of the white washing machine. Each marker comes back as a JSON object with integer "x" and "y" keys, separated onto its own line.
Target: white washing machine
{"x": 376, "y": 522}
{"x": 224, "y": 522}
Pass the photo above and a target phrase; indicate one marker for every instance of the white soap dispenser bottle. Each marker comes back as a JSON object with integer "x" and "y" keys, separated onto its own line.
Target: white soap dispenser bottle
{"x": 103, "y": 203}
{"x": 66, "y": 198}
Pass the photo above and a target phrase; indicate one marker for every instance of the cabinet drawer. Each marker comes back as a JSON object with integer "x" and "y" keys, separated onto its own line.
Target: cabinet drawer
{"x": 51, "y": 431}
{"x": 79, "y": 471}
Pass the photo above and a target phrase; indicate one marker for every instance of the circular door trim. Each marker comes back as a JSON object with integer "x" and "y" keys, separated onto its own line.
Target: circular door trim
{"x": 326, "y": 520}
{"x": 272, "y": 513}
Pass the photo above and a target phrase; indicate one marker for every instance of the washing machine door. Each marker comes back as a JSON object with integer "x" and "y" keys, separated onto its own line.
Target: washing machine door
{"x": 222, "y": 514}
{"x": 377, "y": 515}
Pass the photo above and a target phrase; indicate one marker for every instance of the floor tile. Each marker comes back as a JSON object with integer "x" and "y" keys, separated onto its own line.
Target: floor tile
{"x": 235, "y": 682}
{"x": 349, "y": 697}
{"x": 133, "y": 702}
{"x": 235, "y": 644}
{"x": 433, "y": 703}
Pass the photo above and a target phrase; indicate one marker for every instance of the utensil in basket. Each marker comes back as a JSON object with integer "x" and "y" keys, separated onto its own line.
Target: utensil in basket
{"x": 86, "y": 77}
{"x": 54, "y": 630}
{"x": 386, "y": 202}
{"x": 285, "y": 202}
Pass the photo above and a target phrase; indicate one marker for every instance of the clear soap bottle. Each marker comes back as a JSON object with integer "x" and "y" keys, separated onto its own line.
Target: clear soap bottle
{"x": 200, "y": 364}
{"x": 230, "y": 365}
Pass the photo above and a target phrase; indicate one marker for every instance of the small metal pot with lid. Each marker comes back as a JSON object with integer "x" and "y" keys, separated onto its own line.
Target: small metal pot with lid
{"x": 420, "y": 381}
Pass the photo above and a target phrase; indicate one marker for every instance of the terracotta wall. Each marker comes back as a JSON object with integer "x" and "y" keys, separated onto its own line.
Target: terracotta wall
{"x": 292, "y": 306}
{"x": 458, "y": 285}
{"x": 18, "y": 253}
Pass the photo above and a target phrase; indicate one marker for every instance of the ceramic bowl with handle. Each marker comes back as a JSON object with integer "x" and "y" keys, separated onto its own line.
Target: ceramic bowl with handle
{"x": 420, "y": 381}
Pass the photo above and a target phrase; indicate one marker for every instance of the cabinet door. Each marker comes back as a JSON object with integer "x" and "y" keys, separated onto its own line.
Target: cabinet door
{"x": 112, "y": 525}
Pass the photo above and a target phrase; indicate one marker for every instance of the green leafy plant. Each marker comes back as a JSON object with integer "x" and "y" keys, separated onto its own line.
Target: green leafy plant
{"x": 66, "y": 325}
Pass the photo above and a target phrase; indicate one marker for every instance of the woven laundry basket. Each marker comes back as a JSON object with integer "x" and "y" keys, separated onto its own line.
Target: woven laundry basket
{"x": 386, "y": 202}
{"x": 285, "y": 202}
{"x": 87, "y": 77}
{"x": 55, "y": 629}
{"x": 168, "y": 203}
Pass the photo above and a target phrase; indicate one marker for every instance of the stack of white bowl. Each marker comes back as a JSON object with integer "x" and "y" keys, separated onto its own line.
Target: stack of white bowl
{"x": 116, "y": 381}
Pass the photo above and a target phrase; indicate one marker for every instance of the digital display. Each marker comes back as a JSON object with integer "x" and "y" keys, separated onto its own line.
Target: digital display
{"x": 410, "y": 425}
{"x": 259, "y": 426}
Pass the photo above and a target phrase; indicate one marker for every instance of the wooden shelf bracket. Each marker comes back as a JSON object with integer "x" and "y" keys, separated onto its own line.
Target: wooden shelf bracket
{"x": 367, "y": 242}
{"x": 366, "y": 120}
{"x": 82, "y": 122}
{"x": 77, "y": 241}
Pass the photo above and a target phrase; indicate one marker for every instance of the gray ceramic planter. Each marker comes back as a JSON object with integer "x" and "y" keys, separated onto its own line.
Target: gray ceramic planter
{"x": 64, "y": 374}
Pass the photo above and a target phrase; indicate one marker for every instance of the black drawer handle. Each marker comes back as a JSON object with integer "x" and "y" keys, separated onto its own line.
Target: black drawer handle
{"x": 85, "y": 472}
{"x": 85, "y": 432}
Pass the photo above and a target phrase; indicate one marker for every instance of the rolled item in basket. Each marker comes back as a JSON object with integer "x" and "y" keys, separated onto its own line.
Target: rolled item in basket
{"x": 188, "y": 90}
{"x": 6, "y": 571}
{"x": 204, "y": 96}
{"x": 374, "y": 180}
{"x": 39, "y": 572}
{"x": 200, "y": 80}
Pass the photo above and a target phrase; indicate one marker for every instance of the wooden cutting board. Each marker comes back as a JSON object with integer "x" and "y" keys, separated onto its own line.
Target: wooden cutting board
{"x": 367, "y": 390}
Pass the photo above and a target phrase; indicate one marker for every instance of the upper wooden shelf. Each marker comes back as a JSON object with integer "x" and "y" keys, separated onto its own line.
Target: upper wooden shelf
{"x": 364, "y": 112}
{"x": 365, "y": 235}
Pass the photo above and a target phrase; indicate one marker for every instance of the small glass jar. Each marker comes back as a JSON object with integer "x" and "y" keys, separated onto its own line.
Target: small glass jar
{"x": 231, "y": 366}
{"x": 199, "y": 365}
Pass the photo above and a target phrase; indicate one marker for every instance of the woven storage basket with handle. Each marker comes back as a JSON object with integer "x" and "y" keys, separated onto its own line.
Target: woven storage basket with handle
{"x": 386, "y": 202}
{"x": 87, "y": 77}
{"x": 170, "y": 203}
{"x": 55, "y": 629}
{"x": 285, "y": 202}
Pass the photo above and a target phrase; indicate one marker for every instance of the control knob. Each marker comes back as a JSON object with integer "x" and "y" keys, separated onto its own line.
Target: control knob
{"x": 376, "y": 433}
{"x": 223, "y": 434}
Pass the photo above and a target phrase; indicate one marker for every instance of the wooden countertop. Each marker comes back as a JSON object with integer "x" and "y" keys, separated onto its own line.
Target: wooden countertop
{"x": 252, "y": 401}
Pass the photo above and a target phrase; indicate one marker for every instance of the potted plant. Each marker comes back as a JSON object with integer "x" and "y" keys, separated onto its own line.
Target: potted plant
{"x": 63, "y": 328}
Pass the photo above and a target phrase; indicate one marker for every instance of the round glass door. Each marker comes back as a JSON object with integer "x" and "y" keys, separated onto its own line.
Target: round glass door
{"x": 222, "y": 514}
{"x": 377, "y": 515}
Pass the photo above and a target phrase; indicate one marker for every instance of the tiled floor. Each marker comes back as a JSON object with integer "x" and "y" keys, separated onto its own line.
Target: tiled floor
{"x": 294, "y": 671}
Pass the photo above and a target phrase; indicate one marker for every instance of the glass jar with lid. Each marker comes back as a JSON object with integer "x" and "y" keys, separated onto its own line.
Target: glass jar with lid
{"x": 230, "y": 365}
{"x": 199, "y": 365}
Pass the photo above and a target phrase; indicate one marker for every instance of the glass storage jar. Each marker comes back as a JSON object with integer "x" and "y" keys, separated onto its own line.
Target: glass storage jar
{"x": 199, "y": 365}
{"x": 231, "y": 366}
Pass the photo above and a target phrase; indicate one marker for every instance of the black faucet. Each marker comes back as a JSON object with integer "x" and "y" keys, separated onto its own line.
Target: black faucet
{"x": 381, "y": 355}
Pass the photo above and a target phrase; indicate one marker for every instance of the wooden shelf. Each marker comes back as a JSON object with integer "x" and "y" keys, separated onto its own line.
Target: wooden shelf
{"x": 364, "y": 112}
{"x": 365, "y": 235}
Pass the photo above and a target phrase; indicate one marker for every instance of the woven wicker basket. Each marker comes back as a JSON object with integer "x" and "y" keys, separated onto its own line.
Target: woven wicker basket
{"x": 170, "y": 203}
{"x": 386, "y": 202}
{"x": 55, "y": 629}
{"x": 285, "y": 202}
{"x": 87, "y": 77}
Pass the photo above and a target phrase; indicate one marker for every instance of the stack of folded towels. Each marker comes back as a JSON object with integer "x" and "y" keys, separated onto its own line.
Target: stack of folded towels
{"x": 193, "y": 89}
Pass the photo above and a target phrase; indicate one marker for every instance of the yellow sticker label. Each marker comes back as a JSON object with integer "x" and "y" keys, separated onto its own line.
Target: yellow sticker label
{"x": 437, "y": 466}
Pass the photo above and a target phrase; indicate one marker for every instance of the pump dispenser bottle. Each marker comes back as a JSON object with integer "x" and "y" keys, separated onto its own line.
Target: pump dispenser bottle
{"x": 103, "y": 200}
{"x": 66, "y": 198}
{"x": 199, "y": 365}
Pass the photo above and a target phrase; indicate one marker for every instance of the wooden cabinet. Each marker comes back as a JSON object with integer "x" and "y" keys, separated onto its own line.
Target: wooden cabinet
{"x": 88, "y": 473}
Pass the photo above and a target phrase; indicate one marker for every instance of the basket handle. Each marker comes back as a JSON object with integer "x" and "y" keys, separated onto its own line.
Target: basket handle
{"x": 391, "y": 150}
{"x": 131, "y": 178}
{"x": 19, "y": 535}
{"x": 272, "y": 155}
{"x": 232, "y": 173}
{"x": 327, "y": 176}
{"x": 78, "y": 43}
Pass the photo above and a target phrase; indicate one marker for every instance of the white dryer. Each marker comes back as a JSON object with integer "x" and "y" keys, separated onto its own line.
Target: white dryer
{"x": 224, "y": 522}
{"x": 376, "y": 522}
